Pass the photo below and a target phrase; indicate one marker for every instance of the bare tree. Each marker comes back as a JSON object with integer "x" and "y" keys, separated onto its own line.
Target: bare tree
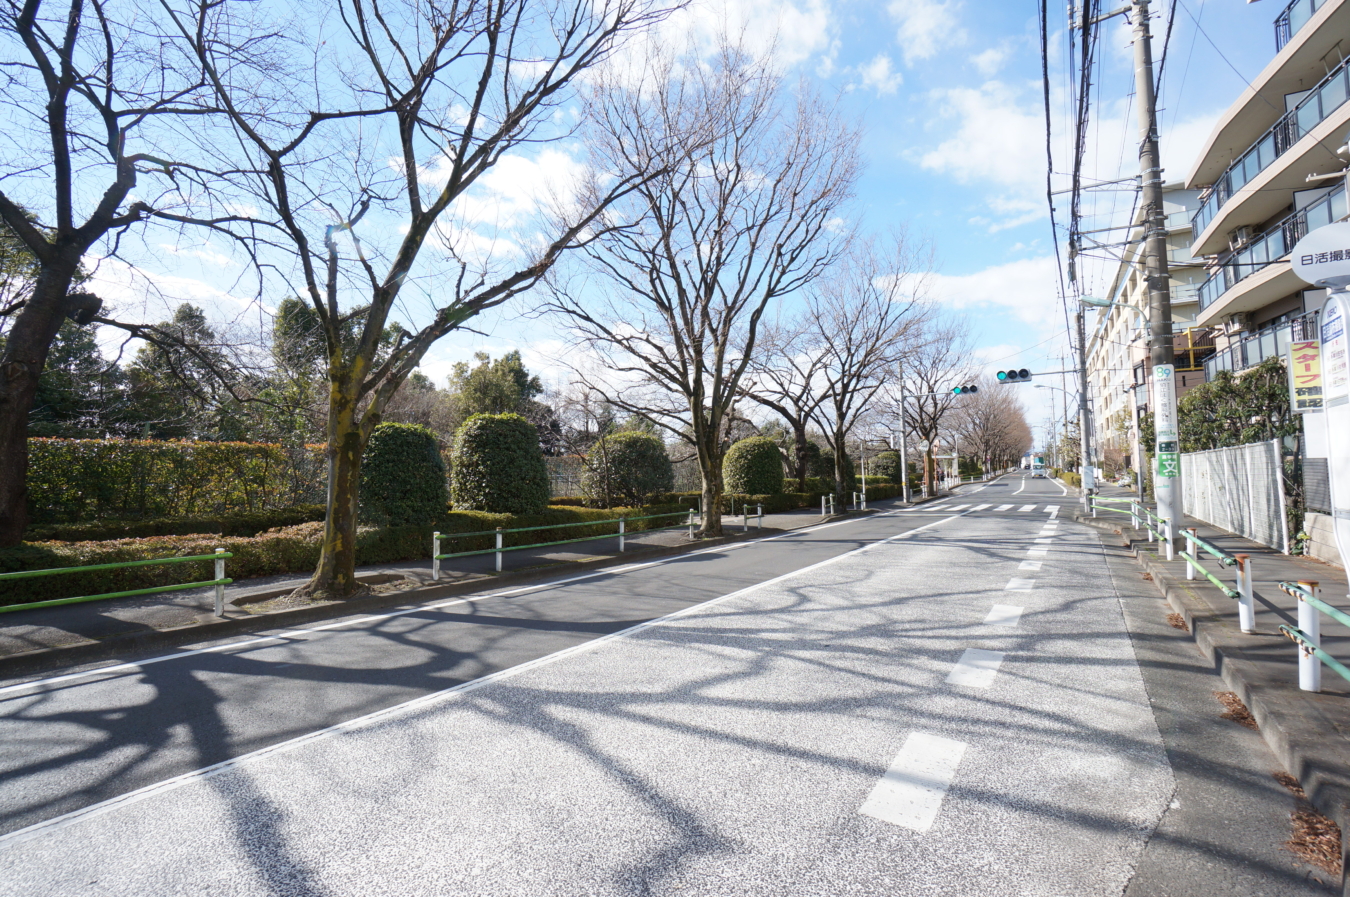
{"x": 346, "y": 166}
{"x": 865, "y": 318}
{"x": 743, "y": 216}
{"x": 91, "y": 92}
{"x": 784, "y": 375}
{"x": 992, "y": 424}
{"x": 937, "y": 362}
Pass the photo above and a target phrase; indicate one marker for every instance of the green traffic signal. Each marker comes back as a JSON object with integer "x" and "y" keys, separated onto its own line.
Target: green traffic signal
{"x": 1017, "y": 375}
{"x": 963, "y": 390}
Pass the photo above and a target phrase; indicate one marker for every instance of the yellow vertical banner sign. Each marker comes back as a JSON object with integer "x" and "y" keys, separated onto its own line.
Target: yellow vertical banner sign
{"x": 1305, "y": 376}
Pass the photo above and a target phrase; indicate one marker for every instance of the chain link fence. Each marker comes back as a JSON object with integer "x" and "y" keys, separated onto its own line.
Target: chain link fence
{"x": 1239, "y": 489}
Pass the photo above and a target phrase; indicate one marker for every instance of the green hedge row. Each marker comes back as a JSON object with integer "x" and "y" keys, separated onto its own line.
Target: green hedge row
{"x": 240, "y": 523}
{"x": 94, "y": 479}
{"x": 291, "y": 550}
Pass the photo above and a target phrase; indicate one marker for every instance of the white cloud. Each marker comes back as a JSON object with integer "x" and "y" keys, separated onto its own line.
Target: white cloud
{"x": 1027, "y": 288}
{"x": 877, "y": 75}
{"x": 999, "y": 137}
{"x": 926, "y": 27}
{"x": 990, "y": 61}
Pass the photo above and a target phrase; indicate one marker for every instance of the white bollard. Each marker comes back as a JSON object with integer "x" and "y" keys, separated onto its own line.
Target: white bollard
{"x": 1246, "y": 603}
{"x": 220, "y": 587}
{"x": 1194, "y": 554}
{"x": 760, "y": 509}
{"x": 1309, "y": 666}
{"x": 1134, "y": 516}
{"x": 435, "y": 556}
{"x": 620, "y": 535}
{"x": 499, "y": 549}
{"x": 691, "y": 524}
{"x": 822, "y": 506}
{"x": 1167, "y": 530}
{"x": 831, "y": 504}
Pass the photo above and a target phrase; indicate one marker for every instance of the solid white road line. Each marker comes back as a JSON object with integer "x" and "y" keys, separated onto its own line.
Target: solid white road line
{"x": 1029, "y": 566}
{"x": 1056, "y": 481}
{"x": 37, "y": 830}
{"x": 1025, "y": 508}
{"x": 976, "y": 668}
{"x": 1004, "y": 615}
{"x": 291, "y": 634}
{"x": 1020, "y": 585}
{"x": 910, "y": 793}
{"x": 1024, "y": 485}
{"x": 1003, "y": 507}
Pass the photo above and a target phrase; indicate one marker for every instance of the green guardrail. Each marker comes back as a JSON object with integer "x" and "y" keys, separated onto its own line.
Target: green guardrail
{"x": 220, "y": 582}
{"x": 437, "y": 556}
{"x": 1219, "y": 584}
{"x": 1308, "y": 635}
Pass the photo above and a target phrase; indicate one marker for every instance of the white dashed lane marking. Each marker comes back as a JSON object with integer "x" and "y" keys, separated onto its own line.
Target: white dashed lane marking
{"x": 1019, "y": 585}
{"x": 1002, "y": 507}
{"x": 976, "y": 668}
{"x": 981, "y": 507}
{"x": 1028, "y": 566}
{"x": 1004, "y": 615}
{"x": 1025, "y": 508}
{"x": 910, "y": 793}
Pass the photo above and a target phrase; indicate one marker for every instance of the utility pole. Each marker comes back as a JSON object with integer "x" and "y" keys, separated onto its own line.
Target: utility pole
{"x": 1085, "y": 453}
{"x": 1167, "y": 475}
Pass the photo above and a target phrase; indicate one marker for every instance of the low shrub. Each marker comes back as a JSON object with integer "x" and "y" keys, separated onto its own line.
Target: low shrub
{"x": 1071, "y": 478}
{"x": 753, "y": 466}
{"x": 238, "y": 523}
{"x": 885, "y": 467}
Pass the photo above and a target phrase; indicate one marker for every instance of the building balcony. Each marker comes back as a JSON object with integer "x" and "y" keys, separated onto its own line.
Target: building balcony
{"x": 1299, "y": 65}
{"x": 1294, "y": 146}
{"x": 1290, "y": 22}
{"x": 1257, "y": 273}
{"x": 1254, "y": 348}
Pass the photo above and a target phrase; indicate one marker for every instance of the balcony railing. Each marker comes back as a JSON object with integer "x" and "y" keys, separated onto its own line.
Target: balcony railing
{"x": 1273, "y": 245}
{"x": 1255, "y": 348}
{"x": 1294, "y": 17}
{"x": 1324, "y": 99}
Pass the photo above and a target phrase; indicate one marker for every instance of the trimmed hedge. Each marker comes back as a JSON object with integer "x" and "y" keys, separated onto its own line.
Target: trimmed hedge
{"x": 290, "y": 550}
{"x": 628, "y": 468}
{"x": 93, "y": 479}
{"x": 242, "y": 523}
{"x": 497, "y": 466}
{"x": 885, "y": 467}
{"x": 402, "y": 477}
{"x": 753, "y": 466}
{"x": 827, "y": 468}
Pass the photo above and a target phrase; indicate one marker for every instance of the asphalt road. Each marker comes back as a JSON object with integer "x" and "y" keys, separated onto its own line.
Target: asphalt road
{"x": 944, "y": 700}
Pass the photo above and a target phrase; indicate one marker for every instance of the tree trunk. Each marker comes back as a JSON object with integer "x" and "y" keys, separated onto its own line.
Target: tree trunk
{"x": 335, "y": 576}
{"x": 799, "y": 432}
{"x": 25, "y": 355}
{"x": 711, "y": 468}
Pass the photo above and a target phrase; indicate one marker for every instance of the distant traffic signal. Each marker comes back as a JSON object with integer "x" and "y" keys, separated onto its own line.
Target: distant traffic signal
{"x": 1020, "y": 375}
{"x": 964, "y": 390}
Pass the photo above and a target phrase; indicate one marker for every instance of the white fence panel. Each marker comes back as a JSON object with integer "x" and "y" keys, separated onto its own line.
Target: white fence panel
{"x": 1238, "y": 489}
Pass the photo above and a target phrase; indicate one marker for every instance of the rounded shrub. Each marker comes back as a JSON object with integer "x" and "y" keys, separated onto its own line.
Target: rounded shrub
{"x": 753, "y": 466}
{"x": 887, "y": 466}
{"x": 627, "y": 469}
{"x": 496, "y": 465}
{"x": 402, "y": 477}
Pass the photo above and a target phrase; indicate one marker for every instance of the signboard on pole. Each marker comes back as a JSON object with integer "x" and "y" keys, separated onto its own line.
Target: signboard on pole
{"x": 1305, "y": 376}
{"x": 1323, "y": 259}
{"x": 1165, "y": 422}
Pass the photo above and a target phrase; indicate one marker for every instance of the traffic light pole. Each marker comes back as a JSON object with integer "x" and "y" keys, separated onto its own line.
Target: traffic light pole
{"x": 1167, "y": 475}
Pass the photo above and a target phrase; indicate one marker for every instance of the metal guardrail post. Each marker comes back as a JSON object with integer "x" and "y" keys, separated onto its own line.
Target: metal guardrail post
{"x": 220, "y": 586}
{"x": 1246, "y": 603}
{"x": 760, "y": 509}
{"x": 831, "y": 503}
{"x": 620, "y": 535}
{"x": 745, "y": 518}
{"x": 1167, "y": 531}
{"x": 1194, "y": 554}
{"x": 691, "y": 524}
{"x": 1094, "y": 507}
{"x": 1134, "y": 514}
{"x": 499, "y": 549}
{"x": 822, "y": 506}
{"x": 1309, "y": 667}
{"x": 435, "y": 556}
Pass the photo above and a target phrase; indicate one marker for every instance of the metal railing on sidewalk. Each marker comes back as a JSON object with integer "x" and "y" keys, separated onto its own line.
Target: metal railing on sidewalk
{"x": 1308, "y": 634}
{"x": 622, "y": 532}
{"x": 220, "y": 582}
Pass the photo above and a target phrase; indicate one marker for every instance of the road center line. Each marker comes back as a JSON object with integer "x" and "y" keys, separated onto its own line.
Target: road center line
{"x": 911, "y": 792}
{"x": 976, "y": 669}
{"x": 1054, "y": 511}
{"x": 1004, "y": 615}
{"x": 1019, "y": 585}
{"x": 1028, "y": 566}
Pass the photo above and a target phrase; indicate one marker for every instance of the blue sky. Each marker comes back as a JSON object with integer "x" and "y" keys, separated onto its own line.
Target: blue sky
{"x": 949, "y": 93}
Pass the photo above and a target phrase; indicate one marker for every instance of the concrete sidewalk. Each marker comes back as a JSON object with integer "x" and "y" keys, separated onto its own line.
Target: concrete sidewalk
{"x": 1309, "y": 733}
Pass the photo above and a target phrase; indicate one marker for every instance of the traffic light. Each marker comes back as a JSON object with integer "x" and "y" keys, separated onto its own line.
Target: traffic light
{"x": 965, "y": 390}
{"x": 1020, "y": 375}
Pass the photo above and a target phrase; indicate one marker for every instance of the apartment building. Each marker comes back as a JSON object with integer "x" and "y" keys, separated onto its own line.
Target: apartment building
{"x": 1273, "y": 169}
{"x": 1119, "y": 372}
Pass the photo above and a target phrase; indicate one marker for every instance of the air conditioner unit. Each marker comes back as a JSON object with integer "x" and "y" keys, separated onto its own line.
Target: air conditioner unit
{"x": 1241, "y": 237}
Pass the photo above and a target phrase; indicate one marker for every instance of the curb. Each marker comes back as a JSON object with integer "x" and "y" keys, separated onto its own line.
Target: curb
{"x": 1291, "y": 722}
